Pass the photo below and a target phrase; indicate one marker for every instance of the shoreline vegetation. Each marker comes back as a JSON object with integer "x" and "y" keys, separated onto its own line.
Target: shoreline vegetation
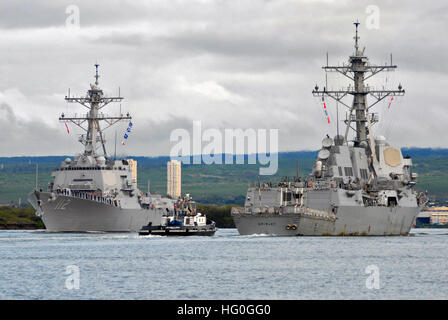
{"x": 220, "y": 214}
{"x": 24, "y": 218}
{"x": 217, "y": 184}
{"x": 19, "y": 219}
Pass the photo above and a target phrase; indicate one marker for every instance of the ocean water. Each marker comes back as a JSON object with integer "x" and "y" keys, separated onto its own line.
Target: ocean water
{"x": 40, "y": 265}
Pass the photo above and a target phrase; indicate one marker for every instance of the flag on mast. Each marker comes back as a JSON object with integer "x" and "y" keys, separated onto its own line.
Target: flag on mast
{"x": 391, "y": 99}
{"x": 326, "y": 112}
{"x": 128, "y": 130}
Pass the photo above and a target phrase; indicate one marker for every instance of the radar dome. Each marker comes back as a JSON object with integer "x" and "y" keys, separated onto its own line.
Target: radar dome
{"x": 323, "y": 154}
{"x": 327, "y": 142}
{"x": 380, "y": 140}
{"x": 101, "y": 160}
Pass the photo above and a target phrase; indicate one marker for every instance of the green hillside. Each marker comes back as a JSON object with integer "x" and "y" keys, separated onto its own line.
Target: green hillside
{"x": 212, "y": 184}
{"x": 19, "y": 218}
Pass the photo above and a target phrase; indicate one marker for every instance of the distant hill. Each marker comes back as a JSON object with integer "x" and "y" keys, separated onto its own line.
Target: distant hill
{"x": 213, "y": 184}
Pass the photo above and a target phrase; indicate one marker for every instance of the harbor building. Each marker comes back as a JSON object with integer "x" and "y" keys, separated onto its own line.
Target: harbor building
{"x": 439, "y": 215}
{"x": 133, "y": 169}
{"x": 173, "y": 179}
{"x": 433, "y": 216}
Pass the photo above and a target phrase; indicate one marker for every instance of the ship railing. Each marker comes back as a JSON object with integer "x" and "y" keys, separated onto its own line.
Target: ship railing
{"x": 302, "y": 211}
{"x": 257, "y": 210}
{"x": 88, "y": 196}
{"x": 91, "y": 168}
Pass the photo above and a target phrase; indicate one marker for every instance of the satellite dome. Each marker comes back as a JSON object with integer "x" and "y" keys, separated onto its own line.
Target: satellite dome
{"x": 327, "y": 142}
{"x": 68, "y": 160}
{"x": 380, "y": 139}
{"x": 101, "y": 160}
{"x": 323, "y": 154}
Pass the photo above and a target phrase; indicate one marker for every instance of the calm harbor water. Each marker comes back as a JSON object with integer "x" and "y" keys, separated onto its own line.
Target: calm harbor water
{"x": 33, "y": 265}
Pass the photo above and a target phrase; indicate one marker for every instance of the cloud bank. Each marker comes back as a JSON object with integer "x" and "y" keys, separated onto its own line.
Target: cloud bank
{"x": 230, "y": 64}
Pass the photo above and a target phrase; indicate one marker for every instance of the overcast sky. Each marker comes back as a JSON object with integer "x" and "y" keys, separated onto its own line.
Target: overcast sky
{"x": 230, "y": 64}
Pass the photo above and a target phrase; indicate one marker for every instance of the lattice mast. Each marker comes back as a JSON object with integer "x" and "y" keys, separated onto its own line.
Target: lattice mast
{"x": 94, "y": 101}
{"x": 359, "y": 70}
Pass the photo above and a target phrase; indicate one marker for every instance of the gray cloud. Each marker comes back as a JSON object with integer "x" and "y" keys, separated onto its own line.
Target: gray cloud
{"x": 248, "y": 64}
{"x": 23, "y": 138}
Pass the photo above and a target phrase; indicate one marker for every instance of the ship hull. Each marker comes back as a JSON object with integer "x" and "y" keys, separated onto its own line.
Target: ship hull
{"x": 350, "y": 221}
{"x": 69, "y": 214}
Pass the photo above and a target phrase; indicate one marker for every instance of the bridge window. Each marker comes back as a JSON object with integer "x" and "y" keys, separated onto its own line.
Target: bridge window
{"x": 287, "y": 196}
{"x": 348, "y": 171}
{"x": 364, "y": 174}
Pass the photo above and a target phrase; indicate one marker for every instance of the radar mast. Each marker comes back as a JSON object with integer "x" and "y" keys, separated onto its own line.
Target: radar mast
{"x": 358, "y": 70}
{"x": 94, "y": 101}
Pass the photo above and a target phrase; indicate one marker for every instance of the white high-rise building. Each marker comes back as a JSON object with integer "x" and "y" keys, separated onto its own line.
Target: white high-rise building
{"x": 173, "y": 179}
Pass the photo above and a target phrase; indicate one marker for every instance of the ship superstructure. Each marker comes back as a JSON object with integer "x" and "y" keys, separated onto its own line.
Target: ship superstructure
{"x": 358, "y": 186}
{"x": 95, "y": 192}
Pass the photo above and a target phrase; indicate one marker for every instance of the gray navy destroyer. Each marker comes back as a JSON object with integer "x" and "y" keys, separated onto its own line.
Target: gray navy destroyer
{"x": 94, "y": 192}
{"x": 364, "y": 186}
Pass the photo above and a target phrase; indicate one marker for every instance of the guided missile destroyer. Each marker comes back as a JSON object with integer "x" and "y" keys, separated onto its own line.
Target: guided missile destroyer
{"x": 364, "y": 186}
{"x": 94, "y": 192}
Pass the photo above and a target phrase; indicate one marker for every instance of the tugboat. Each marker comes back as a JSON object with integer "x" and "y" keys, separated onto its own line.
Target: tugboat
{"x": 184, "y": 220}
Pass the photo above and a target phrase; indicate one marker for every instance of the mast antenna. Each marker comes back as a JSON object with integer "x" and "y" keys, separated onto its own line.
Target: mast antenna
{"x": 356, "y": 36}
{"x": 358, "y": 70}
{"x": 115, "y": 153}
{"x": 337, "y": 118}
{"x": 37, "y": 174}
{"x": 96, "y": 73}
{"x": 94, "y": 101}
{"x": 297, "y": 170}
